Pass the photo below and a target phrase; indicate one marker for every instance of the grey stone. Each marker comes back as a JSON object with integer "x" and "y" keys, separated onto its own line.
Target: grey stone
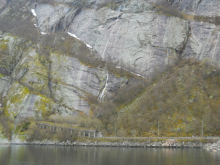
{"x": 54, "y": 18}
{"x": 137, "y": 36}
{"x": 141, "y": 41}
{"x": 4, "y": 81}
{"x": 69, "y": 71}
{"x": 3, "y": 3}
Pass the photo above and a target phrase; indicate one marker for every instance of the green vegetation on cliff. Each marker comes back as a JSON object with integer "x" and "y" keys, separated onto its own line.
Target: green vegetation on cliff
{"x": 179, "y": 99}
{"x": 170, "y": 11}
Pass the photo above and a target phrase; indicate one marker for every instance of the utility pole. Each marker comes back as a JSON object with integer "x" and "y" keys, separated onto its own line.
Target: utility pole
{"x": 202, "y": 128}
{"x": 115, "y": 129}
{"x": 158, "y": 129}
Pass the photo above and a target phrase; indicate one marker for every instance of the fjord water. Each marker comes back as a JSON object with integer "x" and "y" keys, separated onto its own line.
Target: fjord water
{"x": 59, "y": 155}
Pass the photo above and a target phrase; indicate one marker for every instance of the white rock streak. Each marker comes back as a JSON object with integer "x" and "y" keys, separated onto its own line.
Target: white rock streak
{"x": 103, "y": 91}
{"x": 73, "y": 35}
{"x": 89, "y": 46}
{"x": 33, "y": 12}
{"x": 215, "y": 48}
{"x": 131, "y": 72}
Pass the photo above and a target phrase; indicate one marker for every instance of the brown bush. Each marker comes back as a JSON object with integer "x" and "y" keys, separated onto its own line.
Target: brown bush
{"x": 80, "y": 121}
{"x": 179, "y": 98}
{"x": 23, "y": 28}
{"x": 7, "y": 126}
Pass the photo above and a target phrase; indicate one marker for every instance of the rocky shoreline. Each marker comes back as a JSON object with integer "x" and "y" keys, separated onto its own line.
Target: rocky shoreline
{"x": 213, "y": 147}
{"x": 170, "y": 143}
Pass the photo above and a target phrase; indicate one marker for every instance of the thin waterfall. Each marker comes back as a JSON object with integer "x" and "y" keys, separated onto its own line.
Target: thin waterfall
{"x": 106, "y": 84}
{"x": 103, "y": 54}
{"x": 215, "y": 48}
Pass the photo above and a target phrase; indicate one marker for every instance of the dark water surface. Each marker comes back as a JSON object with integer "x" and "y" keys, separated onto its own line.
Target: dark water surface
{"x": 58, "y": 155}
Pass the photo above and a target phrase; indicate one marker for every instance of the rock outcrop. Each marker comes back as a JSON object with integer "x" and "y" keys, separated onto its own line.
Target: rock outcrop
{"x": 213, "y": 147}
{"x": 54, "y": 18}
{"x": 3, "y": 3}
{"x": 34, "y": 85}
{"x": 135, "y": 34}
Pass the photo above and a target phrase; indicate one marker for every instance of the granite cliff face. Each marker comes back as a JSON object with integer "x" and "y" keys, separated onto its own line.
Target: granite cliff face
{"x": 32, "y": 85}
{"x": 131, "y": 34}
{"x": 134, "y": 33}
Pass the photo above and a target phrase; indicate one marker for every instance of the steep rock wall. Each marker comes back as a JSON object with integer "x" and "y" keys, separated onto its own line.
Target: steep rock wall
{"x": 136, "y": 35}
{"x": 38, "y": 85}
{"x": 133, "y": 36}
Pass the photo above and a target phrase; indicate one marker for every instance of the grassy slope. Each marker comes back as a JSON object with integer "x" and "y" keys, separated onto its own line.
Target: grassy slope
{"x": 180, "y": 99}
